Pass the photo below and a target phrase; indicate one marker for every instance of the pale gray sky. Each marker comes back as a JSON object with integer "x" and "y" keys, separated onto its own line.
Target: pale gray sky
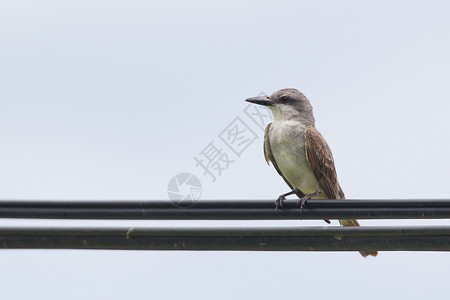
{"x": 111, "y": 99}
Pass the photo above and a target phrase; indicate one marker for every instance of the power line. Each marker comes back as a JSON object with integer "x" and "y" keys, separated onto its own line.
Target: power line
{"x": 226, "y": 209}
{"x": 432, "y": 238}
{"x": 327, "y": 238}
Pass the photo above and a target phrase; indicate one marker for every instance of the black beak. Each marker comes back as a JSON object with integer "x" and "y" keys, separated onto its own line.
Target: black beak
{"x": 261, "y": 100}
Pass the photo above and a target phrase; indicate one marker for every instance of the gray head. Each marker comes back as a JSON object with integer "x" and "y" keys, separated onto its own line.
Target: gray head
{"x": 287, "y": 104}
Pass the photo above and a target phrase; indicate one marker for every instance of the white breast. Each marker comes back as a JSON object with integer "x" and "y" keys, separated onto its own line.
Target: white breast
{"x": 288, "y": 148}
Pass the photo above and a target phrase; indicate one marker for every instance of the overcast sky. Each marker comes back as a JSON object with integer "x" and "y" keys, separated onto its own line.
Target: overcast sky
{"x": 112, "y": 99}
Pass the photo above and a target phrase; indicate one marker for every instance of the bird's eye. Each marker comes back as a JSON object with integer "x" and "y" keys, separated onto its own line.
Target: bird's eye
{"x": 284, "y": 98}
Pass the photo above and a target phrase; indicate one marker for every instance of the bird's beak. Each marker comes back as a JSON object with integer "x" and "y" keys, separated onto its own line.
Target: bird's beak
{"x": 261, "y": 100}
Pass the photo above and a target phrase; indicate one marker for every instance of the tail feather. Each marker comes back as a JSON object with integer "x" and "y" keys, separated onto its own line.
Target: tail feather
{"x": 355, "y": 223}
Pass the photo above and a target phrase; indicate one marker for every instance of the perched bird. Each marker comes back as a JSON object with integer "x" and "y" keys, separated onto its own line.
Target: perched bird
{"x": 299, "y": 152}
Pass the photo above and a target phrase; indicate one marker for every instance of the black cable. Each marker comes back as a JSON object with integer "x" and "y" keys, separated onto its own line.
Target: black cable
{"x": 226, "y": 209}
{"x": 329, "y": 238}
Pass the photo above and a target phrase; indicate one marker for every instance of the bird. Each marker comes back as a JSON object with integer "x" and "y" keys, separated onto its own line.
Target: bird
{"x": 298, "y": 151}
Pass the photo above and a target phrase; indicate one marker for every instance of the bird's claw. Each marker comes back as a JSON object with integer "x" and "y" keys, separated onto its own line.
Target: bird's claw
{"x": 303, "y": 200}
{"x": 279, "y": 202}
{"x": 302, "y": 203}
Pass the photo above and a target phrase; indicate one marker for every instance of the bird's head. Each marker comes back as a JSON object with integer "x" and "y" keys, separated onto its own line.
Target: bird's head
{"x": 286, "y": 104}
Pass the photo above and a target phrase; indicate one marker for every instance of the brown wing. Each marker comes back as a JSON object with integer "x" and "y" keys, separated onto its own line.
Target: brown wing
{"x": 321, "y": 160}
{"x": 269, "y": 157}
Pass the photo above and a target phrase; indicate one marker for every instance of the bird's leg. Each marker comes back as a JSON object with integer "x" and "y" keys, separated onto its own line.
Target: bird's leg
{"x": 279, "y": 202}
{"x": 303, "y": 199}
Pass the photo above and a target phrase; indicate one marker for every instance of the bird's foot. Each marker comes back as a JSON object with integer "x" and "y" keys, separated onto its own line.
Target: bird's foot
{"x": 303, "y": 199}
{"x": 279, "y": 201}
{"x": 302, "y": 203}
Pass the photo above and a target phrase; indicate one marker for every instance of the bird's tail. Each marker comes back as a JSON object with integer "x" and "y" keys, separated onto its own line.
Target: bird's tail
{"x": 355, "y": 223}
